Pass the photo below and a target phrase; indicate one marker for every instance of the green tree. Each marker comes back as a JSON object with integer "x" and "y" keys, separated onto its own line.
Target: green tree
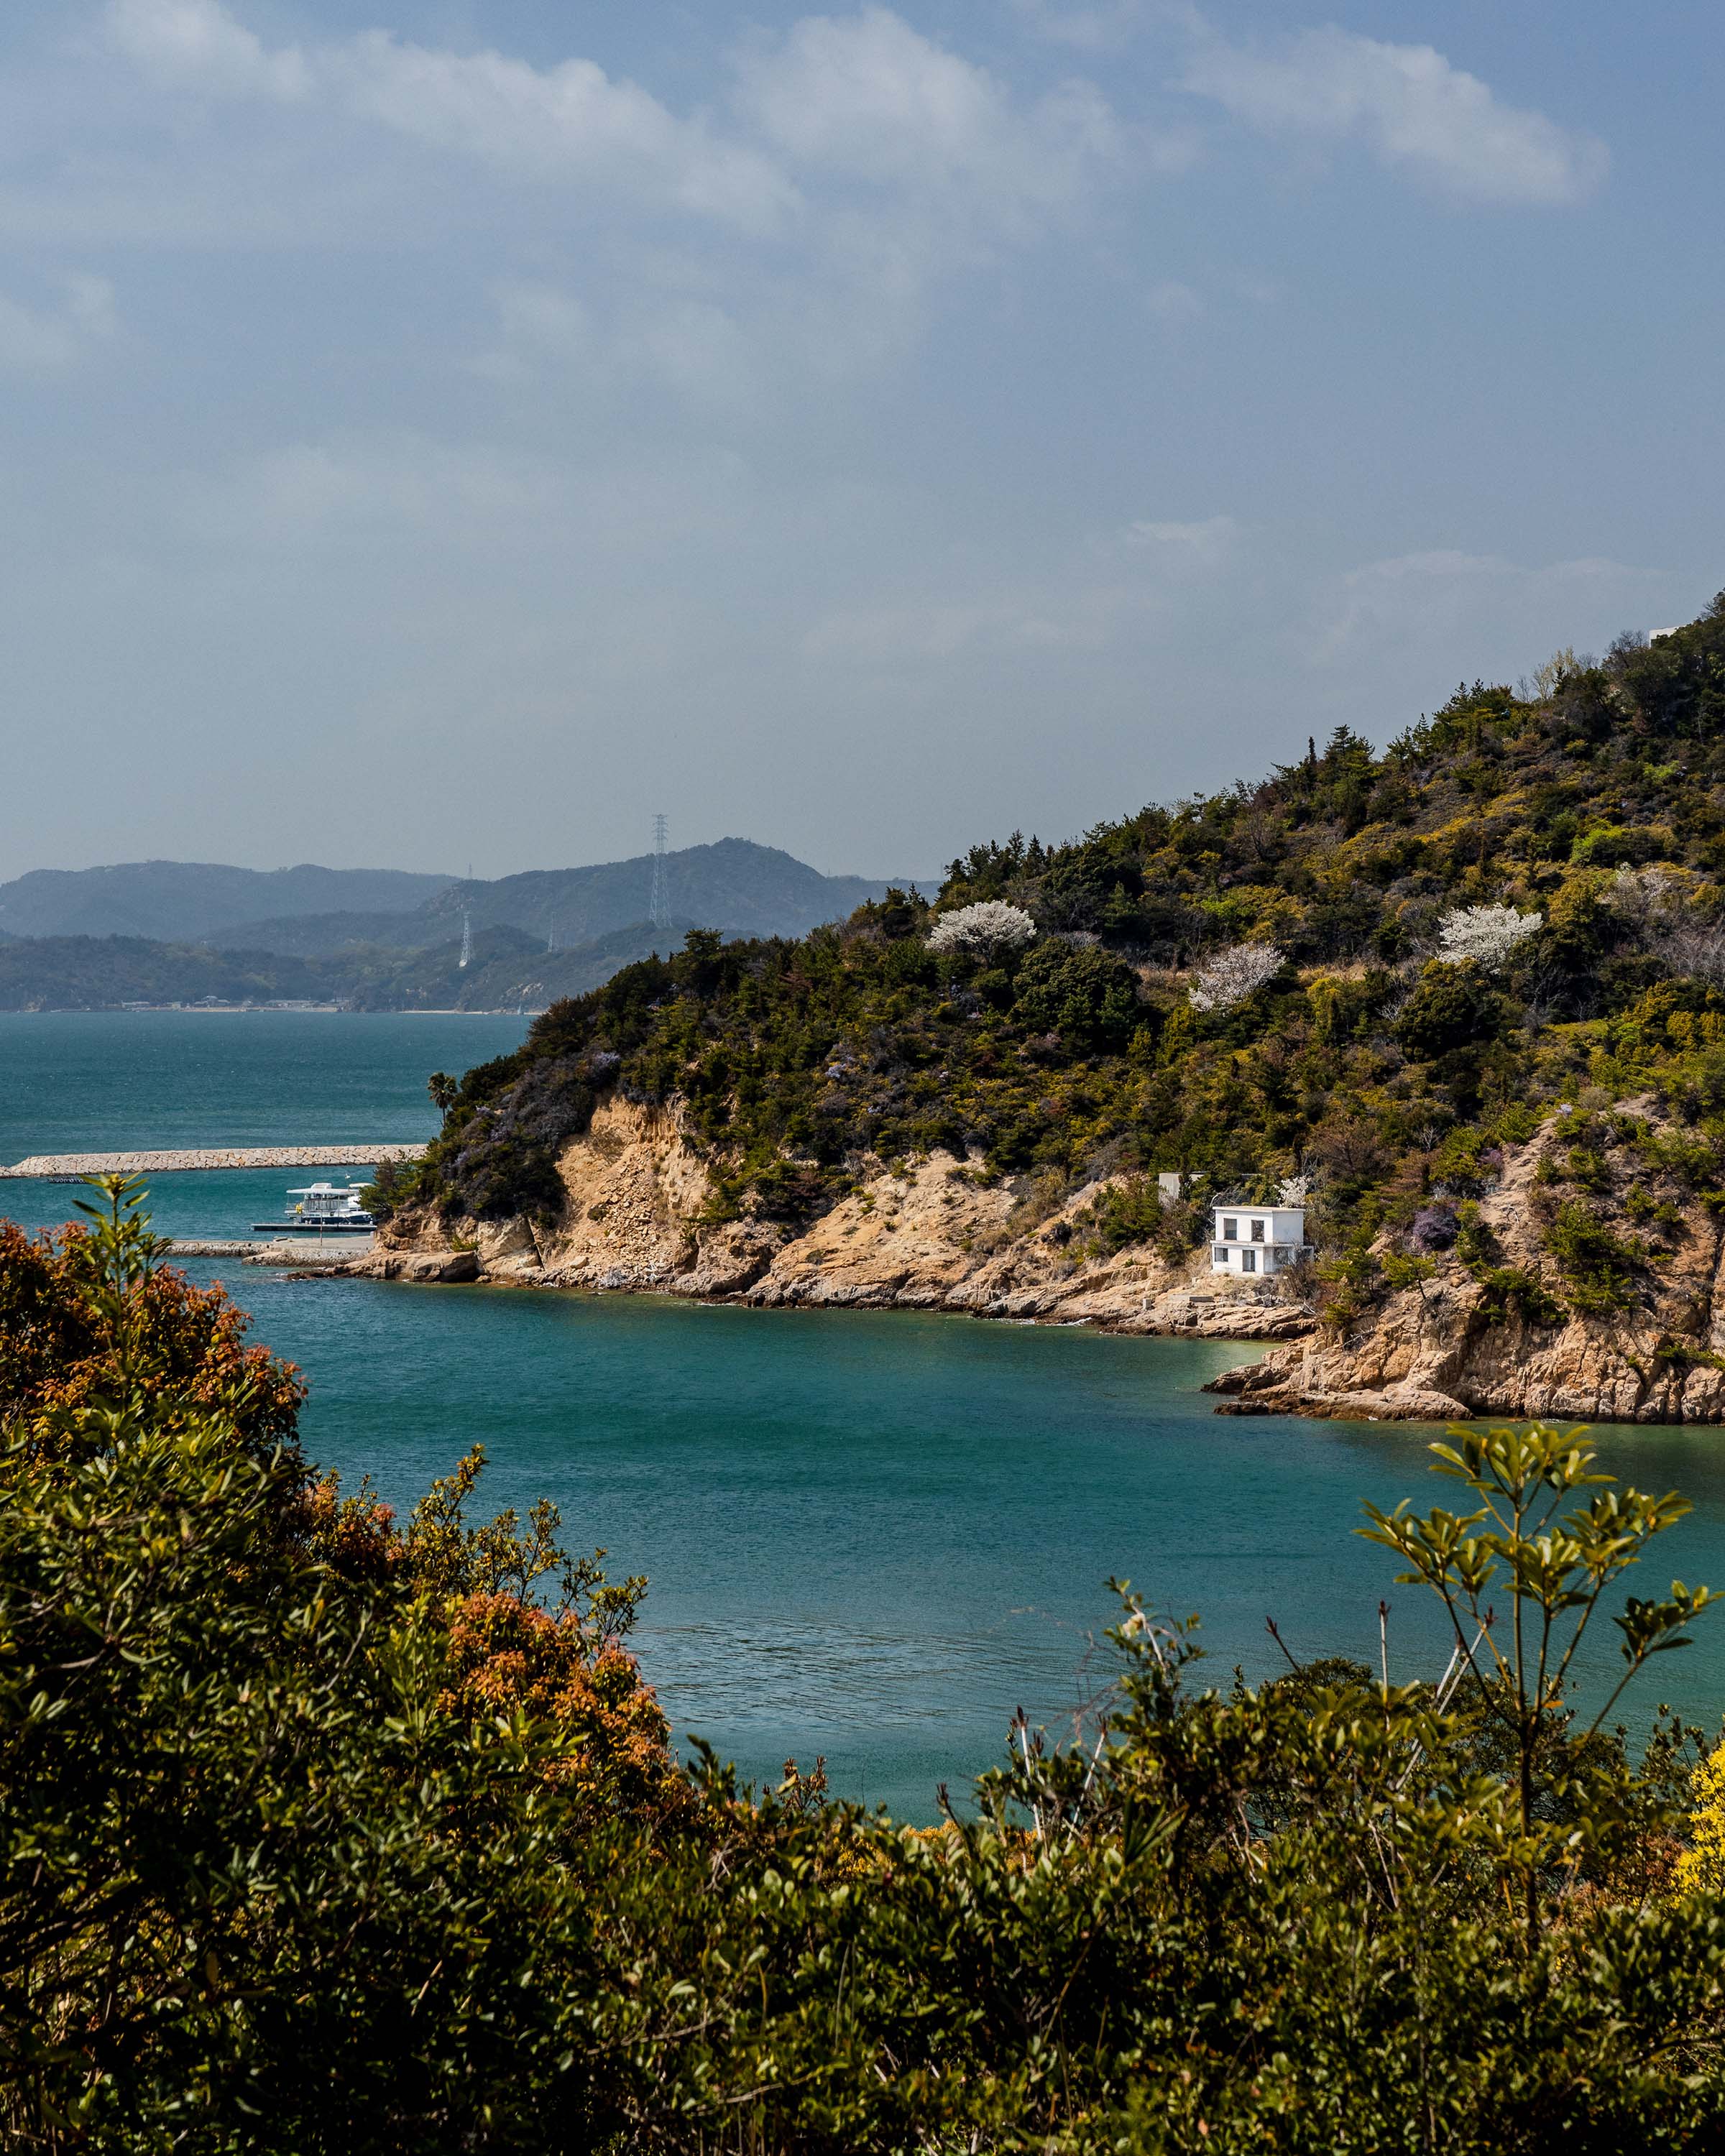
{"x": 1452, "y": 1007}
{"x": 1556, "y": 1567}
{"x": 318, "y": 1834}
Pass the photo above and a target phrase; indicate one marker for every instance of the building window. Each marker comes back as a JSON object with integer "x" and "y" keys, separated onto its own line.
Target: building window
{"x": 1218, "y": 1255}
{"x": 1230, "y": 1230}
{"x": 1257, "y": 1231}
{"x": 1248, "y": 1261}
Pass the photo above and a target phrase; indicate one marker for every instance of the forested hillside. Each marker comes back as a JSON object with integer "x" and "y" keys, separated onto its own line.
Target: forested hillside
{"x": 1287, "y": 977}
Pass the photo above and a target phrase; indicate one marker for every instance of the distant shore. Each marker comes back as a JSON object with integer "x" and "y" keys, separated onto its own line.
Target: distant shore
{"x": 264, "y": 1010}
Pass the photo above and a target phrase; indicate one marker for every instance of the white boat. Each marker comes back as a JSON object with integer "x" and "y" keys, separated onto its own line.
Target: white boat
{"x": 325, "y": 1208}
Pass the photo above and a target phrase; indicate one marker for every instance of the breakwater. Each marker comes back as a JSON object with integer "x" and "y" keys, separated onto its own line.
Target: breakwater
{"x": 305, "y": 1254}
{"x": 175, "y": 1162}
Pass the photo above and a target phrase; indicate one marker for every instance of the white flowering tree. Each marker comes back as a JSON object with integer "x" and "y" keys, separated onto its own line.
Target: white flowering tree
{"x": 985, "y": 930}
{"x": 1233, "y": 975}
{"x": 1293, "y": 1190}
{"x": 1488, "y": 934}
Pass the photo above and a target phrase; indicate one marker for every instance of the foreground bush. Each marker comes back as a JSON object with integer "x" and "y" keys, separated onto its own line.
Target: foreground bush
{"x": 321, "y": 1834}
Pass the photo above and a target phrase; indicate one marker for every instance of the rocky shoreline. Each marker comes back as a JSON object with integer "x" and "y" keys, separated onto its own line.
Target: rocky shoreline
{"x": 940, "y": 1234}
{"x": 1515, "y": 1334}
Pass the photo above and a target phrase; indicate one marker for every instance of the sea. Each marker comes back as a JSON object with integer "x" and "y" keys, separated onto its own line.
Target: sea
{"x": 870, "y": 1538}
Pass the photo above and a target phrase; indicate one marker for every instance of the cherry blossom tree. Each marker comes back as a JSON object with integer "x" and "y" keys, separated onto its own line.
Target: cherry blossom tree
{"x": 983, "y": 930}
{"x": 1233, "y": 975}
{"x": 1488, "y": 934}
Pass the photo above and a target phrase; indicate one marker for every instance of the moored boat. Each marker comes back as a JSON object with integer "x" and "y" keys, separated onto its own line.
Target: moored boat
{"x": 325, "y": 1208}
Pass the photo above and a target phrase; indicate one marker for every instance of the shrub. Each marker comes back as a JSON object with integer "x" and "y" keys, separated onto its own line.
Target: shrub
{"x": 1452, "y": 1007}
{"x": 1087, "y": 995}
{"x": 1124, "y": 1213}
{"x": 1434, "y": 1228}
{"x": 346, "y": 1840}
{"x": 1600, "y": 1267}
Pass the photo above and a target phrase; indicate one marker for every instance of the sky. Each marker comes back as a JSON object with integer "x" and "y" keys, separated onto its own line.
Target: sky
{"x": 436, "y": 434}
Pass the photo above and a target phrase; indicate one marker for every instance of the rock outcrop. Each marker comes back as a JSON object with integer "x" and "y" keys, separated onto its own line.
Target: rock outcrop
{"x": 1515, "y": 1336}
{"x": 1508, "y": 1332}
{"x": 935, "y": 1235}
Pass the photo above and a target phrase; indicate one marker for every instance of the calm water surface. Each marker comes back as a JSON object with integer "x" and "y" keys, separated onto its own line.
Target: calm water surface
{"x": 871, "y": 1535}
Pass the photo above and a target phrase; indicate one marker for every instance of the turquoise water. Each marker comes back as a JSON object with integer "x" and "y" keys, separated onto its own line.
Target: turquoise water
{"x": 871, "y": 1535}
{"x": 117, "y": 1081}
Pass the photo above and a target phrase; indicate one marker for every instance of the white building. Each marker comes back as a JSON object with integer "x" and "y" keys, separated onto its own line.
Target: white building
{"x": 1256, "y": 1239}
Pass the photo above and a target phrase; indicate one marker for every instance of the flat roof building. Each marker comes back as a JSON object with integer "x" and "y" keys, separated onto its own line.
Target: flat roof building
{"x": 1256, "y": 1239}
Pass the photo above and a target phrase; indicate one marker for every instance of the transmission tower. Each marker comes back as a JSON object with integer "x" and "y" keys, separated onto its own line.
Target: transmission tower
{"x": 466, "y": 938}
{"x": 660, "y": 911}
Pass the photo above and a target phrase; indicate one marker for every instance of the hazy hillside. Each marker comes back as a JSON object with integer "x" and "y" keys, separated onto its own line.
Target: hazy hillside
{"x": 345, "y": 935}
{"x": 735, "y": 885}
{"x": 508, "y": 968}
{"x": 98, "y": 972}
{"x": 195, "y": 901}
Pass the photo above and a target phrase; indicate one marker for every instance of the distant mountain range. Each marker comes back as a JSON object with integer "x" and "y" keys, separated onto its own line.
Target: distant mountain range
{"x": 395, "y": 943}
{"x": 196, "y": 901}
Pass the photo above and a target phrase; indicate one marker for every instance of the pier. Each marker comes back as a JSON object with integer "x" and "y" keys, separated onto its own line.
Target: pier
{"x": 174, "y": 1163}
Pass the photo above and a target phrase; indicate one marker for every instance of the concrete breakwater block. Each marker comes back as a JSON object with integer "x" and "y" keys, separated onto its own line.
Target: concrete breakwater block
{"x": 335, "y": 1258}
{"x": 176, "y": 1163}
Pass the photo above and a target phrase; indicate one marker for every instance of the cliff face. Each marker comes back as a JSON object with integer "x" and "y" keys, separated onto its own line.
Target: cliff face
{"x": 1509, "y": 1320}
{"x": 936, "y": 1235}
{"x": 1519, "y": 1331}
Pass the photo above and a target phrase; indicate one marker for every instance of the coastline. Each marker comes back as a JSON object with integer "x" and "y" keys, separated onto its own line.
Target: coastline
{"x": 1451, "y": 1342}
{"x": 936, "y": 1233}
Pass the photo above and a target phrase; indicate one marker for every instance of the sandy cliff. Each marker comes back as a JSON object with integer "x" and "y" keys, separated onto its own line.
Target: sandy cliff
{"x": 1506, "y": 1333}
{"x": 1458, "y": 1344}
{"x": 934, "y": 1235}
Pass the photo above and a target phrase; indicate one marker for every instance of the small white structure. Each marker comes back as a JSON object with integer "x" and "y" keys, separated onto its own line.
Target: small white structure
{"x": 1256, "y": 1239}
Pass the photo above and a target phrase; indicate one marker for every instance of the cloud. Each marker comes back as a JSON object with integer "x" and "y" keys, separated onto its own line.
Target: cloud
{"x": 537, "y": 324}
{"x": 1172, "y": 302}
{"x": 37, "y": 340}
{"x": 566, "y": 122}
{"x": 358, "y": 489}
{"x": 857, "y": 163}
{"x": 1411, "y": 108}
{"x": 199, "y": 44}
{"x": 1088, "y": 29}
{"x": 866, "y": 97}
{"x": 1451, "y": 598}
{"x": 1203, "y": 544}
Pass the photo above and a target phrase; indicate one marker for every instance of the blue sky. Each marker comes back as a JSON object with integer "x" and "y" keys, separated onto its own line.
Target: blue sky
{"x": 436, "y": 434}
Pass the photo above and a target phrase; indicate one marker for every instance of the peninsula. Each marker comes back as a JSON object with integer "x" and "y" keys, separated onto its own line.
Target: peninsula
{"x": 1467, "y": 996}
